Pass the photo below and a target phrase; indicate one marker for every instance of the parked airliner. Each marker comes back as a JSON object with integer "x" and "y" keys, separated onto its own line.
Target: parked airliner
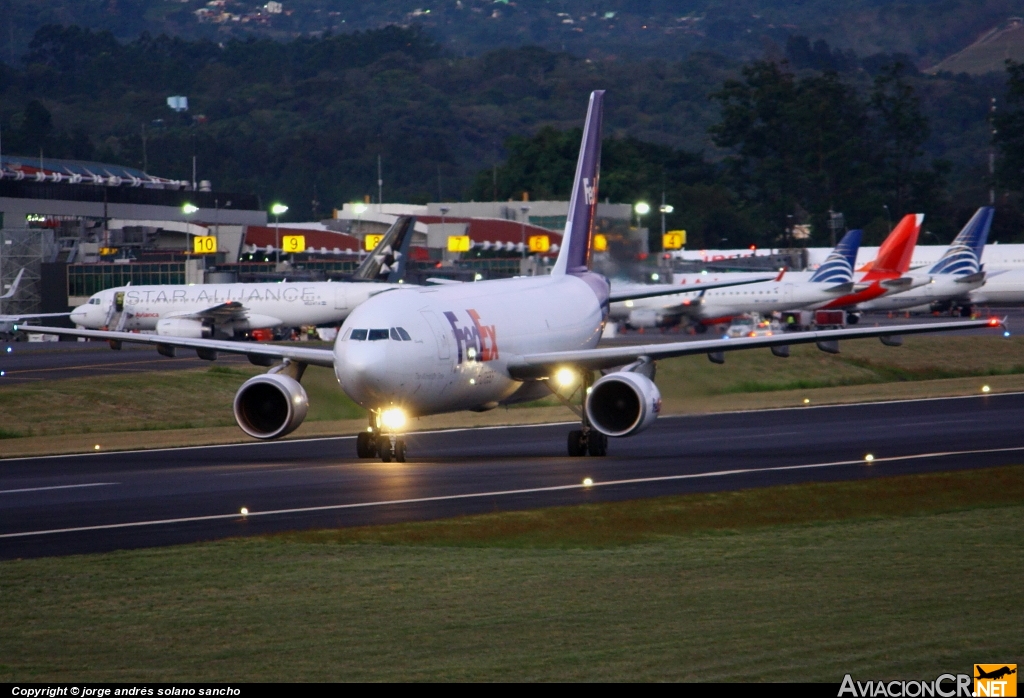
{"x": 227, "y": 310}
{"x": 951, "y": 280}
{"x": 425, "y": 350}
{"x": 834, "y": 278}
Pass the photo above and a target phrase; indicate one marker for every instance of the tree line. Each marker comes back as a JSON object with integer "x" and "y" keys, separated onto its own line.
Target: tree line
{"x": 743, "y": 151}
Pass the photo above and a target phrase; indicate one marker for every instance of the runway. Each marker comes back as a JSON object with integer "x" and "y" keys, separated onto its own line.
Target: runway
{"x": 104, "y": 501}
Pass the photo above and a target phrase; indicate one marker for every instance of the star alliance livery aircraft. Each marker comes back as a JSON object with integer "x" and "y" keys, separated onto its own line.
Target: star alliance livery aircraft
{"x": 223, "y": 311}
{"x": 474, "y": 346}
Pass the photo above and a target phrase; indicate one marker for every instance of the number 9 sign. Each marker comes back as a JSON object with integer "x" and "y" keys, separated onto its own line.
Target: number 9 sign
{"x": 294, "y": 243}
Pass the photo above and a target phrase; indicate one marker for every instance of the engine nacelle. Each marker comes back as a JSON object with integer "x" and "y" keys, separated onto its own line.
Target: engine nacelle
{"x": 270, "y": 406}
{"x": 623, "y": 404}
{"x": 643, "y": 318}
{"x": 183, "y": 327}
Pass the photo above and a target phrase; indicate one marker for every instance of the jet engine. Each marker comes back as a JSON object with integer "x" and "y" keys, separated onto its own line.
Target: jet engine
{"x": 183, "y": 327}
{"x": 650, "y": 317}
{"x": 270, "y": 405}
{"x": 623, "y": 404}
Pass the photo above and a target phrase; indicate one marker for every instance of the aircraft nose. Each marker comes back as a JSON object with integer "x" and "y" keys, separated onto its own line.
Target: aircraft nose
{"x": 364, "y": 373}
{"x": 78, "y": 315}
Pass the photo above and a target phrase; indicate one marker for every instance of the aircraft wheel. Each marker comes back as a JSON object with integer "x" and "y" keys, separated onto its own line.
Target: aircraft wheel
{"x": 365, "y": 446}
{"x": 577, "y": 444}
{"x": 384, "y": 447}
{"x": 400, "y": 450}
{"x": 597, "y": 443}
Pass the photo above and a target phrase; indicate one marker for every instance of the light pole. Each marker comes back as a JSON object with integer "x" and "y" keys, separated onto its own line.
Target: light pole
{"x": 188, "y": 209}
{"x": 664, "y": 208}
{"x": 522, "y": 227}
{"x": 888, "y": 216}
{"x": 277, "y": 210}
{"x": 641, "y": 209}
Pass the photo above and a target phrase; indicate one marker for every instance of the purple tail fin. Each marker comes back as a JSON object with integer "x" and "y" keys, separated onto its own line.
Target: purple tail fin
{"x": 574, "y": 257}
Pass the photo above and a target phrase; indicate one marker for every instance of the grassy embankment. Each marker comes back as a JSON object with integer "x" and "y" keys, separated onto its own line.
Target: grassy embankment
{"x": 902, "y": 577}
{"x": 183, "y": 407}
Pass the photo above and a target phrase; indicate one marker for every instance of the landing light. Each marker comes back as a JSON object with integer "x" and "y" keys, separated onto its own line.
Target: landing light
{"x": 565, "y": 377}
{"x": 993, "y": 322}
{"x": 244, "y": 511}
{"x": 393, "y": 418}
{"x": 869, "y": 458}
{"x": 96, "y": 447}
{"x": 807, "y": 401}
{"x": 587, "y": 482}
{"x": 986, "y": 389}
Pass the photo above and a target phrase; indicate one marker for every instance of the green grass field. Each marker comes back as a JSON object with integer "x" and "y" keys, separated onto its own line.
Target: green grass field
{"x": 901, "y": 577}
{"x": 203, "y": 398}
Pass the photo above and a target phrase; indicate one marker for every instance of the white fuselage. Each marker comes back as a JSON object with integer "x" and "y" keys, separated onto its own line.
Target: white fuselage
{"x": 765, "y": 297}
{"x": 461, "y": 340}
{"x": 1001, "y": 288}
{"x": 288, "y": 304}
{"x": 942, "y": 287}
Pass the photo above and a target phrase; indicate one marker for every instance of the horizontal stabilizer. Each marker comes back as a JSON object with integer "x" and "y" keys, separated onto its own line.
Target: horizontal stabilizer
{"x": 975, "y": 278}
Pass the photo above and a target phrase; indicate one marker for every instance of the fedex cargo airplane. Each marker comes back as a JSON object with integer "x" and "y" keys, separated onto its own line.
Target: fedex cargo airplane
{"x": 226, "y": 310}
{"x": 418, "y": 351}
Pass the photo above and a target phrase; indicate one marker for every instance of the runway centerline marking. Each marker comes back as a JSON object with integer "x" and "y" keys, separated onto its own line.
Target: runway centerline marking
{"x": 59, "y": 487}
{"x": 508, "y": 493}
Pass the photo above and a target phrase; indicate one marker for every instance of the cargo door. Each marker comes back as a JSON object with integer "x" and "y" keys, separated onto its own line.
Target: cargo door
{"x": 440, "y": 335}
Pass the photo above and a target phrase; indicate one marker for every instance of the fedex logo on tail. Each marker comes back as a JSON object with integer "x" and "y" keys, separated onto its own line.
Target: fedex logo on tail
{"x": 476, "y": 341}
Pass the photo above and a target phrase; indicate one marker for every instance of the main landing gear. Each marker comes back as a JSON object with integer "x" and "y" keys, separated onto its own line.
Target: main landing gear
{"x": 585, "y": 440}
{"x": 373, "y": 443}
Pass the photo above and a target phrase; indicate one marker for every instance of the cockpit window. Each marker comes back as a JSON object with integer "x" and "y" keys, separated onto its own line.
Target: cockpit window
{"x": 359, "y": 335}
{"x": 403, "y": 334}
{"x": 378, "y": 334}
{"x": 394, "y": 334}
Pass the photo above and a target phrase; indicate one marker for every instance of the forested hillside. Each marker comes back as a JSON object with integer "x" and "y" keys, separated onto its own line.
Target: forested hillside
{"x": 926, "y": 30}
{"x": 738, "y": 147}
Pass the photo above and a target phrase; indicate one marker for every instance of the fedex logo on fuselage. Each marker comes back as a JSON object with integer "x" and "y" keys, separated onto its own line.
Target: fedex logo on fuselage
{"x": 476, "y": 341}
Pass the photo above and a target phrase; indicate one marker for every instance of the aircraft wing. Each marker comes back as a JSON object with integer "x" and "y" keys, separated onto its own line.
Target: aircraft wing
{"x": 635, "y": 292}
{"x": 232, "y": 310}
{"x": 30, "y": 316}
{"x": 258, "y": 354}
{"x": 533, "y": 366}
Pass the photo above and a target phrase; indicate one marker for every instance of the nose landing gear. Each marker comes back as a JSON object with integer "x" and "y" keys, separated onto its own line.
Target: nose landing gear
{"x": 373, "y": 443}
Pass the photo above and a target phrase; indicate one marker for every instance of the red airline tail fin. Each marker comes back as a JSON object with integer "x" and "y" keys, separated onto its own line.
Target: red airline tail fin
{"x": 895, "y": 253}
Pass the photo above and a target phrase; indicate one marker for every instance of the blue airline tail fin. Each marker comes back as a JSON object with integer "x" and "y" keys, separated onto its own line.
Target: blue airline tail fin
{"x": 574, "y": 256}
{"x": 838, "y": 267}
{"x": 964, "y": 256}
